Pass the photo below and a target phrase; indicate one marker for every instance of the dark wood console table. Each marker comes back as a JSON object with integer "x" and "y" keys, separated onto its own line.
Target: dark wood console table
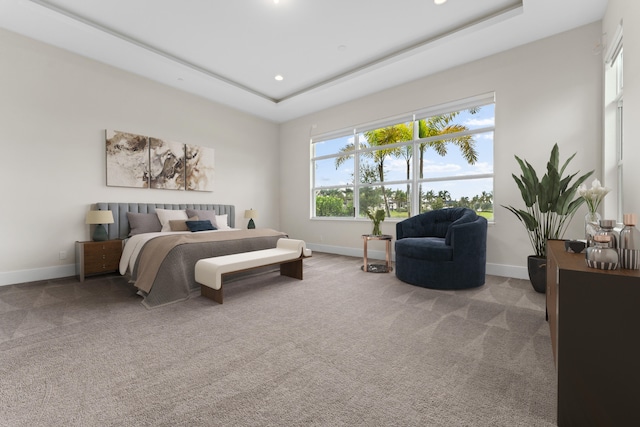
{"x": 594, "y": 318}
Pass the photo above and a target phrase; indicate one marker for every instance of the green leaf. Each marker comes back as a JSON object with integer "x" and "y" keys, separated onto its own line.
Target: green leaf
{"x": 525, "y": 217}
{"x": 527, "y": 195}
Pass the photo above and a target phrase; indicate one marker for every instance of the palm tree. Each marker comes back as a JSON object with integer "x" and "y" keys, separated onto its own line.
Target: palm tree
{"x": 444, "y": 195}
{"x": 382, "y": 137}
{"x": 379, "y": 138}
{"x": 390, "y": 135}
{"x": 406, "y": 153}
{"x": 433, "y": 126}
{"x": 442, "y": 125}
{"x": 429, "y": 197}
{"x": 486, "y": 201}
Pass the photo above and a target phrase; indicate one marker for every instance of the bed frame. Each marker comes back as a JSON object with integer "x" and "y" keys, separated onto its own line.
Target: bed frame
{"x": 120, "y": 227}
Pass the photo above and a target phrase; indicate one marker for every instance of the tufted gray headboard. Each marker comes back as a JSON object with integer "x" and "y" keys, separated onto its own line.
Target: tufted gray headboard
{"x": 120, "y": 227}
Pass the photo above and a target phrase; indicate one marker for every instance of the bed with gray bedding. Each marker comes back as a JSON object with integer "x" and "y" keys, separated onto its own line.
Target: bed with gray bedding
{"x": 173, "y": 277}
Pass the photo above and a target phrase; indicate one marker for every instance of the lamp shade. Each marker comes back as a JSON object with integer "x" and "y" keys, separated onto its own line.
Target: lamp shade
{"x": 99, "y": 217}
{"x": 251, "y": 213}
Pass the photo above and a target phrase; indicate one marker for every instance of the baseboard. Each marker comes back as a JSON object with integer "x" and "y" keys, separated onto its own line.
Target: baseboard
{"x": 47, "y": 273}
{"x": 492, "y": 269}
{"x": 36, "y": 274}
{"x": 508, "y": 271}
{"x": 339, "y": 250}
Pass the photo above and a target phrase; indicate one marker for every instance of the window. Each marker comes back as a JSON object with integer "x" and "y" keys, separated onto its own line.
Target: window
{"x": 617, "y": 65}
{"x": 613, "y": 150}
{"x": 436, "y": 158}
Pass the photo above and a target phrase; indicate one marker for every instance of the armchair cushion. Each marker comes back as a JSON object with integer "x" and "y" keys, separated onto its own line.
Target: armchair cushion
{"x": 433, "y": 248}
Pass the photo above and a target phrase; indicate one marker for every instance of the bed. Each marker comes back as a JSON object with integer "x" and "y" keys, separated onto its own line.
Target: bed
{"x": 161, "y": 262}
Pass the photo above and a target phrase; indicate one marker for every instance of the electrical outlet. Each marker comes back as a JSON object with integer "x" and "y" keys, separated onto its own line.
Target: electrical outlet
{"x": 63, "y": 254}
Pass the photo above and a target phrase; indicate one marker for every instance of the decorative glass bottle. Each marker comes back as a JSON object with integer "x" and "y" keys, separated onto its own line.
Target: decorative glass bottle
{"x": 630, "y": 243}
{"x": 591, "y": 227}
{"x": 606, "y": 227}
{"x": 602, "y": 256}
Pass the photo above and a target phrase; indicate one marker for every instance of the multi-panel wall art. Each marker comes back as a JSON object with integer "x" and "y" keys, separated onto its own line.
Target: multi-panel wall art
{"x": 147, "y": 162}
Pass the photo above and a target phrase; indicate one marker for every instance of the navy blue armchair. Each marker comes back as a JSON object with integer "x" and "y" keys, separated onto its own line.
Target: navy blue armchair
{"x": 442, "y": 249}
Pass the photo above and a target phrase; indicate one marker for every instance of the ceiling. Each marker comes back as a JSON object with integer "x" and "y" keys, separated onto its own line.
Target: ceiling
{"x": 327, "y": 51}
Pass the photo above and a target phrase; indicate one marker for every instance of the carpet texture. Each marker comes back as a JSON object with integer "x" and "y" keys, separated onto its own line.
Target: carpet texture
{"x": 340, "y": 348}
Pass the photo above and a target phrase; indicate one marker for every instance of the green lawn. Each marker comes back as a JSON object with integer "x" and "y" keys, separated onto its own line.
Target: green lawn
{"x": 488, "y": 215}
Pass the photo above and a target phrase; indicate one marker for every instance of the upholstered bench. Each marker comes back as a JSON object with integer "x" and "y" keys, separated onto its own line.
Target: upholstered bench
{"x": 289, "y": 253}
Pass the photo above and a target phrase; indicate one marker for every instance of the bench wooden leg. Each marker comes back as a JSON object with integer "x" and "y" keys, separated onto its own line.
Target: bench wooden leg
{"x": 211, "y": 293}
{"x": 292, "y": 269}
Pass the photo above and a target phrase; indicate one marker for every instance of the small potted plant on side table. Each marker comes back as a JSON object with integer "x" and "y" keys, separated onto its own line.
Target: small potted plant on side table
{"x": 377, "y": 217}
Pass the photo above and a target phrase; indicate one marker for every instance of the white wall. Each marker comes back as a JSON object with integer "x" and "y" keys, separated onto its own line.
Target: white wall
{"x": 627, "y": 13}
{"x": 548, "y": 91}
{"x": 54, "y": 108}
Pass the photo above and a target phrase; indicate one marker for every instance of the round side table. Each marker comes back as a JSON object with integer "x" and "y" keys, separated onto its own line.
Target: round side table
{"x": 377, "y": 268}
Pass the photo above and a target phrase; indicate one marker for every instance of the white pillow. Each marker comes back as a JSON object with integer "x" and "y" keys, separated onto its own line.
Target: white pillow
{"x": 221, "y": 222}
{"x": 166, "y": 215}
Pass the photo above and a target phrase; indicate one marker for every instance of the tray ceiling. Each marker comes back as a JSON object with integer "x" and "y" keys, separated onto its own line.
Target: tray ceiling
{"x": 327, "y": 52}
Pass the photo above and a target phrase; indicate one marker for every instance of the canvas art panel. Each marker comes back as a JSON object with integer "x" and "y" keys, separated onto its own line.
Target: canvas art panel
{"x": 199, "y": 168}
{"x": 127, "y": 159}
{"x": 167, "y": 168}
{"x": 147, "y": 162}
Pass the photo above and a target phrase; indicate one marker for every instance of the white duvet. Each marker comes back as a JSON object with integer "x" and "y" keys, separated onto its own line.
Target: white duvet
{"x": 134, "y": 244}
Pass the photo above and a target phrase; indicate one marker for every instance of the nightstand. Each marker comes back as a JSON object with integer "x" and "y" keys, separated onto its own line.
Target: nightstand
{"x": 97, "y": 257}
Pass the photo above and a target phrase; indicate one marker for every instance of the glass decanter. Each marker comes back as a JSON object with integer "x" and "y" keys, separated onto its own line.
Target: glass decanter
{"x": 630, "y": 243}
{"x": 602, "y": 256}
{"x": 606, "y": 227}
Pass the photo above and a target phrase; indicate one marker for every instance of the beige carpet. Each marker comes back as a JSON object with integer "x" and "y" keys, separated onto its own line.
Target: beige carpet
{"x": 340, "y": 348}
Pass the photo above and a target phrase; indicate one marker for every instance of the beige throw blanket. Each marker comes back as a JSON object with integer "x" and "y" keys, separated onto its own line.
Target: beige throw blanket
{"x": 155, "y": 250}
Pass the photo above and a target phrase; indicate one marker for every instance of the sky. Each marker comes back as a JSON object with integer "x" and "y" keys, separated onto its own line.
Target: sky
{"x": 435, "y": 166}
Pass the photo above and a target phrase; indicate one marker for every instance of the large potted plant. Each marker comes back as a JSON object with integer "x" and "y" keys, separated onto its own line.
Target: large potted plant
{"x": 550, "y": 205}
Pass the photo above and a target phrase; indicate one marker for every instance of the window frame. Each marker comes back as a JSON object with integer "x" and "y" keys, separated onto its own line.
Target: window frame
{"x": 613, "y": 145}
{"x": 415, "y": 181}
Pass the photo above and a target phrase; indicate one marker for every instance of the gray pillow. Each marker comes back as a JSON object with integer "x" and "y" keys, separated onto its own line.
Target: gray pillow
{"x": 143, "y": 223}
{"x": 203, "y": 215}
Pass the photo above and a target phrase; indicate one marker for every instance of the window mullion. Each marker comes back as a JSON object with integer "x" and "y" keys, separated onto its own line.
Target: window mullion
{"x": 356, "y": 174}
{"x": 620, "y": 158}
{"x": 415, "y": 194}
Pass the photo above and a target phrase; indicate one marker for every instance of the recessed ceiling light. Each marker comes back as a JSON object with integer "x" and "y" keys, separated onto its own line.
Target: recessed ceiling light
{"x": 439, "y": 1}
{"x": 279, "y": 78}
{"x": 276, "y": 1}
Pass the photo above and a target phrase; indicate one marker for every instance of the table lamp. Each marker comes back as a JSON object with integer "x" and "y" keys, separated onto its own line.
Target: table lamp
{"x": 99, "y": 218}
{"x": 251, "y": 213}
